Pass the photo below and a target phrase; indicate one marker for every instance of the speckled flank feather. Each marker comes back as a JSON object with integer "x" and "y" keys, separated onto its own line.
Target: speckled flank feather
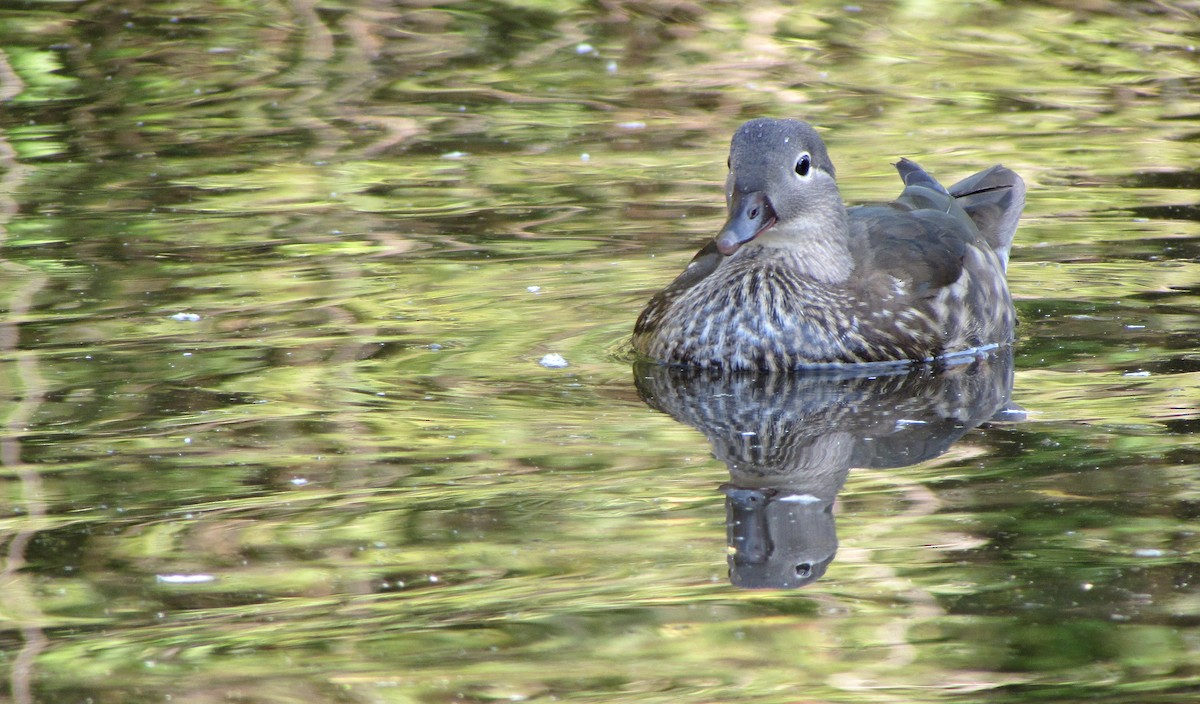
{"x": 803, "y": 281}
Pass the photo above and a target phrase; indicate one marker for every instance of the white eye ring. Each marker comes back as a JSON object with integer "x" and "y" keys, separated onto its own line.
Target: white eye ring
{"x": 804, "y": 165}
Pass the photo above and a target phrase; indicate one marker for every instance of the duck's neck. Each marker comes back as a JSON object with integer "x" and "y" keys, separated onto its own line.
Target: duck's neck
{"x": 819, "y": 246}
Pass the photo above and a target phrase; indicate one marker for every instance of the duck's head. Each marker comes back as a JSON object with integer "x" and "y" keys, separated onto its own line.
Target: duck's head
{"x": 780, "y": 177}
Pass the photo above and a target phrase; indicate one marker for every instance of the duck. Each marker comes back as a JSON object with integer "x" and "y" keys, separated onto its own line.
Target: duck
{"x": 795, "y": 279}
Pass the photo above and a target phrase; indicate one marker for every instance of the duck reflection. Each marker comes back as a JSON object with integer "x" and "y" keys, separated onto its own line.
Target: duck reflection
{"x": 790, "y": 440}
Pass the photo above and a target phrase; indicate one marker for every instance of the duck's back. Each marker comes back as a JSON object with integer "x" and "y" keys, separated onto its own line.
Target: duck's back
{"x": 933, "y": 270}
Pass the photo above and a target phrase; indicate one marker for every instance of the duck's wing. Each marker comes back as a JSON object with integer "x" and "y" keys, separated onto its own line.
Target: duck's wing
{"x": 913, "y": 175}
{"x": 993, "y": 199}
{"x": 920, "y": 238}
{"x": 922, "y": 248}
{"x": 702, "y": 265}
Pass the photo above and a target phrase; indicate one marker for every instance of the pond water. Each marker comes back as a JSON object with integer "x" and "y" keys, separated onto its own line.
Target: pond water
{"x": 279, "y": 280}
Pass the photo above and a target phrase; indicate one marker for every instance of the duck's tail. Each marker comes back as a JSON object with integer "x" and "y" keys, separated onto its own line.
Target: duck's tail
{"x": 994, "y": 200}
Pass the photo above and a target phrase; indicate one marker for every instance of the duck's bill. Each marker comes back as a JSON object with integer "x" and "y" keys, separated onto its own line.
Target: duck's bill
{"x": 749, "y": 215}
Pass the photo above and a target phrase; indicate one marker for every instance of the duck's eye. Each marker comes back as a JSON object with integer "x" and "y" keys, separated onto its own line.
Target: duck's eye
{"x": 803, "y": 165}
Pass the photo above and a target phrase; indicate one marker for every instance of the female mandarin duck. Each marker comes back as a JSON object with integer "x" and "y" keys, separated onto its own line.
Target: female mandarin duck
{"x": 795, "y": 279}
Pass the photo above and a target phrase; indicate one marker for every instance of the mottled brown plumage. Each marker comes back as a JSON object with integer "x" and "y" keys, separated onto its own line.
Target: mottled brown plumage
{"x": 795, "y": 279}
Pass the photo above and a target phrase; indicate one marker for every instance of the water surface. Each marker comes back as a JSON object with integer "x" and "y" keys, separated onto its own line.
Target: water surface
{"x": 278, "y": 279}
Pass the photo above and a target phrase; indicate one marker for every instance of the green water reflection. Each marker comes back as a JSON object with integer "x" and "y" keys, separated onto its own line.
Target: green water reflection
{"x": 277, "y": 279}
